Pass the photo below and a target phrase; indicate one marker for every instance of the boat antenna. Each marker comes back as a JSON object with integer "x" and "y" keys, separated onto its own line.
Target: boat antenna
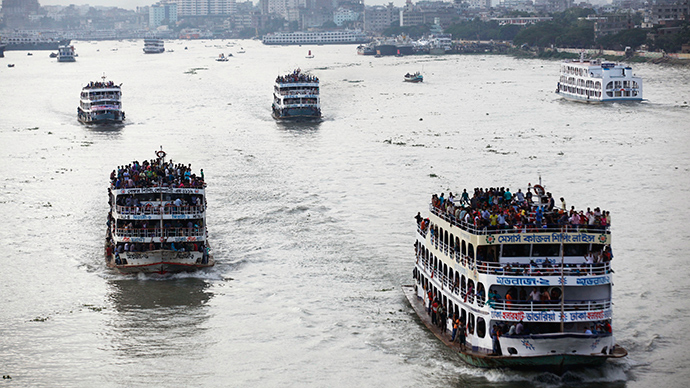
{"x": 539, "y": 179}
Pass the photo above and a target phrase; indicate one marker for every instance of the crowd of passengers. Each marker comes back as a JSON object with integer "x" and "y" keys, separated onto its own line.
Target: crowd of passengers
{"x": 460, "y": 328}
{"x": 295, "y": 77}
{"x": 127, "y": 228}
{"x": 98, "y": 85}
{"x": 112, "y": 248}
{"x": 151, "y": 173}
{"x": 498, "y": 208}
{"x": 137, "y": 205}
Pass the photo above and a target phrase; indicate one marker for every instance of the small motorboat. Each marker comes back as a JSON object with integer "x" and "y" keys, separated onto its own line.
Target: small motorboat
{"x": 53, "y": 55}
{"x": 416, "y": 77}
{"x": 10, "y": 65}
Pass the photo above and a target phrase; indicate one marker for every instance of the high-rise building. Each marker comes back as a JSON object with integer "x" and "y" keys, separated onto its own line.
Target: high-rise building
{"x": 20, "y": 8}
{"x": 160, "y": 13}
{"x": 205, "y": 7}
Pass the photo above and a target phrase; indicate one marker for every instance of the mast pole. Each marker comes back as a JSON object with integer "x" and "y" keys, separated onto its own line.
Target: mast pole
{"x": 562, "y": 285}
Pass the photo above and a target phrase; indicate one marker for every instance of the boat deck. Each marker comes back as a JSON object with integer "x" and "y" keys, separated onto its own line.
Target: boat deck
{"x": 557, "y": 363}
{"x": 418, "y": 306}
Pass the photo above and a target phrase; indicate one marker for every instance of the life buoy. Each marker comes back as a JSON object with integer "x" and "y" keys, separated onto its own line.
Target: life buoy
{"x": 160, "y": 154}
{"x": 539, "y": 189}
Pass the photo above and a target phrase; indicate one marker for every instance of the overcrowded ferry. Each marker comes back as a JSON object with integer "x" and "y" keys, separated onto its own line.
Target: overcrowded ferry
{"x": 296, "y": 96}
{"x": 101, "y": 103}
{"x": 157, "y": 218}
{"x": 511, "y": 279}
{"x": 596, "y": 80}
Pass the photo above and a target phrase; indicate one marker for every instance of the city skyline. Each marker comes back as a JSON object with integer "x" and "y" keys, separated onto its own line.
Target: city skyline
{"x": 133, "y": 4}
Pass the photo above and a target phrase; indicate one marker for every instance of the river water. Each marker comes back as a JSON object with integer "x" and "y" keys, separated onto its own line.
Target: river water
{"x": 312, "y": 224}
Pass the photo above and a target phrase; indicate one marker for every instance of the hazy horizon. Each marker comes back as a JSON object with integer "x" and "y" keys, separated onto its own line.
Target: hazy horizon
{"x": 133, "y": 4}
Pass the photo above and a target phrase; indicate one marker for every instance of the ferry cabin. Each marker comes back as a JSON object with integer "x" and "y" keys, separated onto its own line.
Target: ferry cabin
{"x": 157, "y": 229}
{"x": 598, "y": 81}
{"x": 296, "y": 99}
{"x": 464, "y": 266}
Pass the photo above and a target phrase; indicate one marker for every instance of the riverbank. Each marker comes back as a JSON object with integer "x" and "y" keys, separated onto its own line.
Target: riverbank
{"x": 561, "y": 55}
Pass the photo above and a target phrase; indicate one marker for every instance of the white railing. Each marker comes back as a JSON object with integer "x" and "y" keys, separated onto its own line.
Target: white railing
{"x": 156, "y": 210}
{"x": 158, "y": 232}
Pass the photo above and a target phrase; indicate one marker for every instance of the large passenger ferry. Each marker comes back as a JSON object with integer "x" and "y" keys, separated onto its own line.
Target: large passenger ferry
{"x": 153, "y": 46}
{"x": 100, "y": 103}
{"x": 313, "y": 37}
{"x": 157, "y": 218}
{"x": 510, "y": 280}
{"x": 296, "y": 96}
{"x": 596, "y": 80}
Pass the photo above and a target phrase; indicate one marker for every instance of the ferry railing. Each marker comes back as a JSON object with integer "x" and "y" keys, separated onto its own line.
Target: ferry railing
{"x": 157, "y": 232}
{"x": 569, "y": 305}
{"x": 156, "y": 210}
{"x": 516, "y": 269}
{"x": 470, "y": 227}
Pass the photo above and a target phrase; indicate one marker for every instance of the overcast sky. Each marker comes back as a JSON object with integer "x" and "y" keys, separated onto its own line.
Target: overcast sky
{"x": 133, "y": 4}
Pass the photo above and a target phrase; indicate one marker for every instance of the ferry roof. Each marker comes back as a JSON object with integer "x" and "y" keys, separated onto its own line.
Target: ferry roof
{"x": 156, "y": 173}
{"x": 497, "y": 210}
{"x": 297, "y": 77}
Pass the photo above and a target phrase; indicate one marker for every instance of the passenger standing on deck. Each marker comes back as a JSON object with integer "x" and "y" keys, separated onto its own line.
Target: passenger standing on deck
{"x": 462, "y": 335}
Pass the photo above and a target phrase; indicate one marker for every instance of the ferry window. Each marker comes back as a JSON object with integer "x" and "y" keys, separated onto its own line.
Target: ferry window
{"x": 546, "y": 250}
{"x": 515, "y": 250}
{"x": 464, "y": 248}
{"x": 609, "y": 85}
{"x": 481, "y": 327}
{"x": 575, "y": 249}
{"x": 471, "y": 250}
{"x": 462, "y": 285}
{"x": 445, "y": 237}
{"x": 481, "y": 294}
{"x": 470, "y": 323}
{"x": 463, "y": 316}
{"x": 451, "y": 242}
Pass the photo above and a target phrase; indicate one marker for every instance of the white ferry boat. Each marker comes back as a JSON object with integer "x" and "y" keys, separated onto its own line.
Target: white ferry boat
{"x": 153, "y": 46}
{"x": 598, "y": 81}
{"x": 66, "y": 54}
{"x": 321, "y": 37}
{"x": 296, "y": 96}
{"x": 508, "y": 280}
{"x": 101, "y": 103}
{"x": 157, "y": 218}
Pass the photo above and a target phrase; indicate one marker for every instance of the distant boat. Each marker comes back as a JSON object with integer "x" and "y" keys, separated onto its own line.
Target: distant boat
{"x": 222, "y": 58}
{"x": 241, "y": 50}
{"x": 66, "y": 54}
{"x": 10, "y": 65}
{"x": 153, "y": 46}
{"x": 101, "y": 103}
{"x": 53, "y": 55}
{"x": 310, "y": 55}
{"x": 414, "y": 78}
{"x": 597, "y": 80}
{"x": 29, "y": 54}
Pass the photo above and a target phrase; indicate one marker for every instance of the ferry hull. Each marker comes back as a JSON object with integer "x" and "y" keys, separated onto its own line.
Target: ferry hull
{"x": 106, "y": 118}
{"x": 590, "y": 100}
{"x": 159, "y": 262}
{"x": 296, "y": 114}
{"x": 556, "y": 363}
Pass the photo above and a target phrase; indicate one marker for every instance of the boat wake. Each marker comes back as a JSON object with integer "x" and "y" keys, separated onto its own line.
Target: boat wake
{"x": 610, "y": 373}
